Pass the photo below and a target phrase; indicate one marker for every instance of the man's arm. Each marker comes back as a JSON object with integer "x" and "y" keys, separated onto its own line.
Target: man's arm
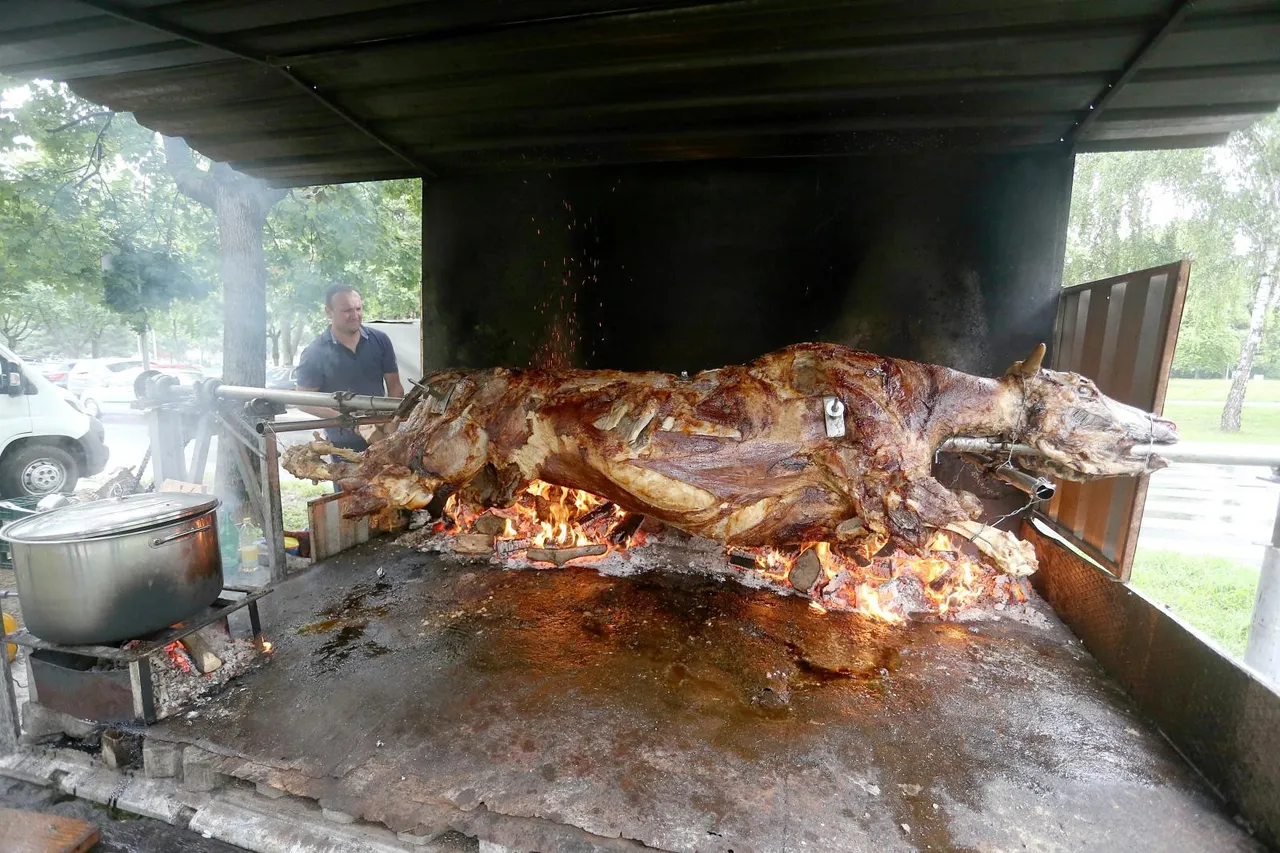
{"x": 390, "y": 370}
{"x": 394, "y": 387}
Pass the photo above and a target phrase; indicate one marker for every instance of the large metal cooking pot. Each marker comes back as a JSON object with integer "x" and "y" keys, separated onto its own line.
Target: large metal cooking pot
{"x": 116, "y": 569}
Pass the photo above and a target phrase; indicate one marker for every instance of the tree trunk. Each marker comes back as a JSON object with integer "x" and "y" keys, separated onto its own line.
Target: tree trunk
{"x": 290, "y": 331}
{"x": 273, "y": 335}
{"x": 240, "y": 205}
{"x": 1231, "y": 412}
{"x": 244, "y": 309}
{"x": 144, "y": 347}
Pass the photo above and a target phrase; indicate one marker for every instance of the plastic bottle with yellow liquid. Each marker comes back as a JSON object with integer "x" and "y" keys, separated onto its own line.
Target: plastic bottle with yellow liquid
{"x": 10, "y": 626}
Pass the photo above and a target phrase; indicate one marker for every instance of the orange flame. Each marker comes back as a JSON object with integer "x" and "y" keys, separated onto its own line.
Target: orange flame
{"x": 889, "y": 588}
{"x": 898, "y": 586}
{"x": 550, "y": 516}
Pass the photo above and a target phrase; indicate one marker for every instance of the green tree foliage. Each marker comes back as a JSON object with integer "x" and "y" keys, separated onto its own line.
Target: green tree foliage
{"x": 138, "y": 283}
{"x": 79, "y": 184}
{"x": 365, "y": 235}
{"x": 1218, "y": 207}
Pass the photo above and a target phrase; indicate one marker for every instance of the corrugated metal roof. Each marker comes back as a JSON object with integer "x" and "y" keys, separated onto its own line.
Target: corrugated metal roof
{"x": 304, "y": 92}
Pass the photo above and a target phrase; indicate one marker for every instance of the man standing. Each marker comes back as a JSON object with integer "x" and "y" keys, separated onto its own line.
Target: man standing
{"x": 348, "y": 356}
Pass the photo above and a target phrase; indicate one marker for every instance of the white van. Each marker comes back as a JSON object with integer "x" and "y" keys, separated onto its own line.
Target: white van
{"x": 47, "y": 442}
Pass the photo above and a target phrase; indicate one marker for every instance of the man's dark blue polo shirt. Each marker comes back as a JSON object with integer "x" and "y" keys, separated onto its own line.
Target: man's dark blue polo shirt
{"x": 329, "y": 366}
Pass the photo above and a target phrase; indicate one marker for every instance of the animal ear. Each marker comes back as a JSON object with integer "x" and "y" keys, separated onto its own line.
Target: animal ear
{"x": 1029, "y": 366}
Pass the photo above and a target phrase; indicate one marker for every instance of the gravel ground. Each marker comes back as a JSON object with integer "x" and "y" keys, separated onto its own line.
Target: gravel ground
{"x": 121, "y": 832}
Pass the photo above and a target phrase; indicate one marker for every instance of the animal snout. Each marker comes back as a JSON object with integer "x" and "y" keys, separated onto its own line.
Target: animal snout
{"x": 1163, "y": 430}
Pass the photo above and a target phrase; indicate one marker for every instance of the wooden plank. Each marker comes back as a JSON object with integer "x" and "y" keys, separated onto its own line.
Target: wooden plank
{"x": 23, "y": 831}
{"x": 330, "y": 532}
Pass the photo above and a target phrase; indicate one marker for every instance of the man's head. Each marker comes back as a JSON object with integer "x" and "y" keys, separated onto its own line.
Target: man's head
{"x": 344, "y": 309}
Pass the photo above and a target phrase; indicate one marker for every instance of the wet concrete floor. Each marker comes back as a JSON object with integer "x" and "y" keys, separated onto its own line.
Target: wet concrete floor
{"x": 563, "y": 710}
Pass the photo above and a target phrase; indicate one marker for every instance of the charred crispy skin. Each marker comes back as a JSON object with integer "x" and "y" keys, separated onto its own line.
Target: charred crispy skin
{"x": 741, "y": 454}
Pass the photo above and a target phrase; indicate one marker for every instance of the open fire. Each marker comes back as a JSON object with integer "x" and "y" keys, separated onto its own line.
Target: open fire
{"x": 551, "y": 524}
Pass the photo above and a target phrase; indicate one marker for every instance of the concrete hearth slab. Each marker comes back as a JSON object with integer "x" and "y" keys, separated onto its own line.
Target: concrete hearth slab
{"x": 562, "y": 710}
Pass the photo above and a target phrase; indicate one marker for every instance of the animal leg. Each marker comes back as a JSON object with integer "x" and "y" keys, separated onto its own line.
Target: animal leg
{"x": 449, "y": 455}
{"x": 937, "y": 508}
{"x": 1010, "y": 554}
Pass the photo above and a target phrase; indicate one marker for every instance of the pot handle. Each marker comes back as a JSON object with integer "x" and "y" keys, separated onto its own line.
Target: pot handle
{"x": 158, "y": 541}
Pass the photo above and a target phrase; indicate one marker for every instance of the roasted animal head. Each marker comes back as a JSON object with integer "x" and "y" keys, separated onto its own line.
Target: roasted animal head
{"x": 1081, "y": 432}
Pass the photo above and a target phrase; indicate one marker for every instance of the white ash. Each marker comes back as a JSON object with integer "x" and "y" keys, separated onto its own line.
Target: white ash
{"x": 176, "y": 690}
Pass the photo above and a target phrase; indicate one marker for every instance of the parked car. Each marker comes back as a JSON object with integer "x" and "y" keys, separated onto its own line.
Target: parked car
{"x": 95, "y": 370}
{"x": 47, "y": 442}
{"x": 282, "y": 378}
{"x": 112, "y": 393}
{"x": 57, "y": 371}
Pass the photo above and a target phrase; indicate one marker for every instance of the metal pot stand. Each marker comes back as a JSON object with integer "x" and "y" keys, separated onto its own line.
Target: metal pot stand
{"x": 67, "y": 679}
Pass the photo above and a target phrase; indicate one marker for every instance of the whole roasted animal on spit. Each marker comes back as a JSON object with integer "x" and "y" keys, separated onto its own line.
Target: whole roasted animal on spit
{"x": 814, "y": 442}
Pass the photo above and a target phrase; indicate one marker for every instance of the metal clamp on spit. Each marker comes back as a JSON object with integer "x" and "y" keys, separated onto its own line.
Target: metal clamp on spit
{"x": 996, "y": 458}
{"x": 833, "y": 412}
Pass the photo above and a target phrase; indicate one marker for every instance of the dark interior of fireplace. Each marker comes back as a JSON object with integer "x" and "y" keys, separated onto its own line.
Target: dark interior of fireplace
{"x": 689, "y": 266}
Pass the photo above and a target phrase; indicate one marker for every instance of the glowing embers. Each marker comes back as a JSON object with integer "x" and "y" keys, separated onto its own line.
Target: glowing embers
{"x": 548, "y": 523}
{"x": 554, "y": 525}
{"x": 893, "y": 587}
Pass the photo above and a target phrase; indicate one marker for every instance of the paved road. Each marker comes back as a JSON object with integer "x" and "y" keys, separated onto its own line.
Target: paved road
{"x": 1262, "y": 404}
{"x": 1223, "y": 510}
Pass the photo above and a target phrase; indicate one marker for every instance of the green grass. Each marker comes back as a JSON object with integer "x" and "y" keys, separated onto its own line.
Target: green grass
{"x": 1215, "y": 390}
{"x": 1213, "y": 594}
{"x": 1258, "y": 425}
{"x": 294, "y": 495}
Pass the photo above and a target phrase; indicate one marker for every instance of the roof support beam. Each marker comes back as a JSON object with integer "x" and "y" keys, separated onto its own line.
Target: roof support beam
{"x": 154, "y": 22}
{"x": 1179, "y": 12}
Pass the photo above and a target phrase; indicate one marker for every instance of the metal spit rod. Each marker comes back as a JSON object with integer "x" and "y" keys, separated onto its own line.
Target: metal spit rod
{"x": 339, "y": 400}
{"x": 1040, "y": 488}
{"x": 323, "y": 423}
{"x": 1205, "y": 454}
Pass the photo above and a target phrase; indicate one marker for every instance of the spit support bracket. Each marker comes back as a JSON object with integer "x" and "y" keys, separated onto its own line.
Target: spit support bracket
{"x": 833, "y": 412}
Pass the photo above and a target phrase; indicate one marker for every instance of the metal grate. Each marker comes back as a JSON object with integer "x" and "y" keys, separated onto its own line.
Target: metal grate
{"x": 1120, "y": 332}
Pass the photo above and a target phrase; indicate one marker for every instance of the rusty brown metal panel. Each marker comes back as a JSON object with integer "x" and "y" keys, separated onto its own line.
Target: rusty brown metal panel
{"x": 1121, "y": 333}
{"x": 1220, "y": 717}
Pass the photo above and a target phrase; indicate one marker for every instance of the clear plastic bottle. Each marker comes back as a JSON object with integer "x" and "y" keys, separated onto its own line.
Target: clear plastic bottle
{"x": 228, "y": 542}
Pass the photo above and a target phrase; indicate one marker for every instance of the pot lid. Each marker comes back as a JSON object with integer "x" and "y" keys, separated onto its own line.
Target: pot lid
{"x": 109, "y": 517}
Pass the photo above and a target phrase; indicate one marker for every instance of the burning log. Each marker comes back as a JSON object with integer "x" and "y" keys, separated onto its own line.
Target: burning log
{"x": 201, "y": 652}
{"x": 599, "y": 513}
{"x": 560, "y": 556}
{"x": 490, "y": 525}
{"x": 813, "y": 443}
{"x": 624, "y": 530}
{"x": 474, "y": 544}
{"x": 806, "y": 570}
